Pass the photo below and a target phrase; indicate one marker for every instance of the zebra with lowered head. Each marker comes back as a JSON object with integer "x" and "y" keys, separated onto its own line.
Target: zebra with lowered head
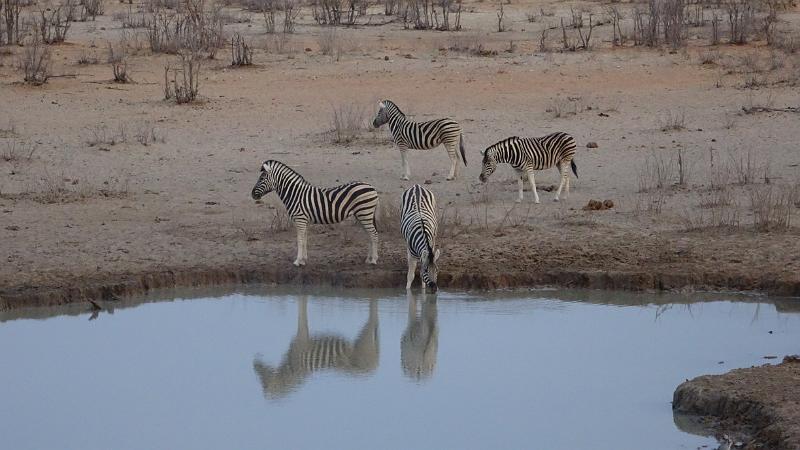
{"x": 528, "y": 154}
{"x": 307, "y": 204}
{"x": 418, "y": 224}
{"x": 407, "y": 134}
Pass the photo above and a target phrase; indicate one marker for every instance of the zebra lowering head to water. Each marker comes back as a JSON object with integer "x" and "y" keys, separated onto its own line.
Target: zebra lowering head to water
{"x": 421, "y": 136}
{"x": 528, "y": 154}
{"x": 418, "y": 225}
{"x": 309, "y": 204}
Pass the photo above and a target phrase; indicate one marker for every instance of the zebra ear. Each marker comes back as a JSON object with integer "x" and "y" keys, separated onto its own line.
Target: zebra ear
{"x": 483, "y": 152}
{"x": 381, "y": 105}
{"x": 437, "y": 254}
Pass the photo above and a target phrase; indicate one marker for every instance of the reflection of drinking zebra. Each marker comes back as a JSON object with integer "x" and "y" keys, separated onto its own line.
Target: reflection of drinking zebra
{"x": 308, "y": 354}
{"x": 528, "y": 154}
{"x": 422, "y": 136}
{"x": 418, "y": 224}
{"x": 309, "y": 204}
{"x": 420, "y": 341}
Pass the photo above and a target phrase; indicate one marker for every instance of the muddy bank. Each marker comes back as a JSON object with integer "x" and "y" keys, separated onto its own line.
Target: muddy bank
{"x": 112, "y": 286}
{"x": 760, "y": 405}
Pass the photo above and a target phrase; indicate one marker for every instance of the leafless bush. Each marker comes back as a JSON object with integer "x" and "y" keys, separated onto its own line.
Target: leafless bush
{"x": 673, "y": 20}
{"x": 715, "y": 21}
{"x": 51, "y": 188}
{"x": 53, "y": 24}
{"x": 500, "y": 13}
{"x": 10, "y": 28}
{"x": 280, "y": 44}
{"x": 185, "y": 83}
{"x": 147, "y": 134}
{"x": 101, "y": 135}
{"x": 87, "y": 59}
{"x": 744, "y": 167}
{"x": 543, "y": 47}
{"x": 618, "y": 37}
{"x": 92, "y": 8}
{"x": 471, "y": 43}
{"x": 657, "y": 172}
{"x": 710, "y": 57}
{"x": 118, "y": 58}
{"x": 331, "y": 44}
{"x": 291, "y": 9}
{"x": 741, "y": 16}
{"x": 16, "y": 151}
{"x": 425, "y": 14}
{"x": 774, "y": 207}
{"x": 241, "y": 53}
{"x": 198, "y": 27}
{"x": 35, "y": 63}
{"x": 132, "y": 19}
{"x": 673, "y": 121}
{"x": 268, "y": 8}
{"x": 347, "y": 122}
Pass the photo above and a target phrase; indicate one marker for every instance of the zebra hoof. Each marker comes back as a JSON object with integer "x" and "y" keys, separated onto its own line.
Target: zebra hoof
{"x": 299, "y": 263}
{"x": 536, "y": 201}
{"x": 555, "y": 200}
{"x": 450, "y": 178}
{"x": 404, "y": 177}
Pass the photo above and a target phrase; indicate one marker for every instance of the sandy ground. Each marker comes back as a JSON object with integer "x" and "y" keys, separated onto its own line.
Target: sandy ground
{"x": 80, "y": 217}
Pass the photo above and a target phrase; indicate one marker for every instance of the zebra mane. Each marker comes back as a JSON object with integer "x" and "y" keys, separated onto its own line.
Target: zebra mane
{"x": 277, "y": 164}
{"x": 499, "y": 144}
{"x": 390, "y": 103}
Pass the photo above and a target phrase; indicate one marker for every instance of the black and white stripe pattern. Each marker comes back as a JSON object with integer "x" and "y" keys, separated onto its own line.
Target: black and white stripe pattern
{"x": 418, "y": 224}
{"x": 308, "y": 354}
{"x": 422, "y": 136}
{"x": 528, "y": 154}
{"x": 307, "y": 204}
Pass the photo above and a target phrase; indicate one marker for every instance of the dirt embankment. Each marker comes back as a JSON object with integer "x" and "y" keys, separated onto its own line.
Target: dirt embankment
{"x": 761, "y": 402}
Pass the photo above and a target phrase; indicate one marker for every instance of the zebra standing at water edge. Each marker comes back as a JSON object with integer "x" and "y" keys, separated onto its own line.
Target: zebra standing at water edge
{"x": 422, "y": 136}
{"x": 528, "y": 154}
{"x": 309, "y": 204}
{"x": 418, "y": 225}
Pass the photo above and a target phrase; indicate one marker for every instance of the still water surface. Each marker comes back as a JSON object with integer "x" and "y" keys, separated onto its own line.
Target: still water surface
{"x": 376, "y": 369}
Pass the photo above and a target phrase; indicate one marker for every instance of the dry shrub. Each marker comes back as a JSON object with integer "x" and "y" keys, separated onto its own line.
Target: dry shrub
{"x": 101, "y": 134}
{"x": 280, "y": 44}
{"x": 656, "y": 173}
{"x": 56, "y": 188}
{"x": 471, "y": 43}
{"x": 280, "y": 221}
{"x": 330, "y": 43}
{"x": 53, "y": 23}
{"x": 347, "y": 122}
{"x": 147, "y": 134}
{"x": 92, "y": 8}
{"x": 35, "y": 63}
{"x": 241, "y": 53}
{"x": 185, "y": 83}
{"x": 673, "y": 121}
{"x": 774, "y": 206}
{"x": 16, "y": 151}
{"x": 197, "y": 27}
{"x": 11, "y": 31}
{"x": 118, "y": 58}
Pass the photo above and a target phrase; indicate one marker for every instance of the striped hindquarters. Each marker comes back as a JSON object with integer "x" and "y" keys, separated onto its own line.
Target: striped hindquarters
{"x": 427, "y": 135}
{"x": 333, "y": 205}
{"x": 547, "y": 151}
{"x": 418, "y": 221}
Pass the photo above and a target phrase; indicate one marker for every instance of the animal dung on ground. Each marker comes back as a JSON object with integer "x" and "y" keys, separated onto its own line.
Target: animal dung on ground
{"x": 597, "y": 205}
{"x": 591, "y": 144}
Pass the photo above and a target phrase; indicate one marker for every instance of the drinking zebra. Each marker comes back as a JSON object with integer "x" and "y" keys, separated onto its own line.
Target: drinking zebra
{"x": 420, "y": 342}
{"x": 421, "y": 136}
{"x": 418, "y": 225}
{"x": 528, "y": 154}
{"x": 309, "y": 204}
{"x": 308, "y": 354}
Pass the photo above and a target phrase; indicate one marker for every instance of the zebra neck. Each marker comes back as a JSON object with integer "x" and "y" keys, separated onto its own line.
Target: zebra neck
{"x": 397, "y": 120}
{"x": 287, "y": 189}
{"x": 504, "y": 155}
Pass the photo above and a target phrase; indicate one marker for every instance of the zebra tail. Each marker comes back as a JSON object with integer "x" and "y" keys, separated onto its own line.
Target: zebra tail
{"x": 574, "y": 168}
{"x": 461, "y": 147}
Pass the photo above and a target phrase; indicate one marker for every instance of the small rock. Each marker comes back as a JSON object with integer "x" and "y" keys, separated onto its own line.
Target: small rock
{"x": 591, "y": 144}
{"x": 386, "y": 58}
{"x": 608, "y": 204}
{"x": 428, "y": 182}
{"x": 791, "y": 359}
{"x": 308, "y": 49}
{"x": 603, "y": 115}
{"x": 12, "y": 228}
{"x": 211, "y": 203}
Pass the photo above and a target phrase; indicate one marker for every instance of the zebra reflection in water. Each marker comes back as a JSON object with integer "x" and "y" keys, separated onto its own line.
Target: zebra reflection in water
{"x": 420, "y": 342}
{"x": 308, "y": 354}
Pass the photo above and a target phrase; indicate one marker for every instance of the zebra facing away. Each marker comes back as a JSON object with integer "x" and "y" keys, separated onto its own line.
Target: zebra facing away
{"x": 418, "y": 225}
{"x": 421, "y": 136}
{"x": 528, "y": 154}
{"x": 309, "y": 204}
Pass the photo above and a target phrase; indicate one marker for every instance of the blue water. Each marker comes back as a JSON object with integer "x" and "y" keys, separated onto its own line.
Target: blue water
{"x": 535, "y": 369}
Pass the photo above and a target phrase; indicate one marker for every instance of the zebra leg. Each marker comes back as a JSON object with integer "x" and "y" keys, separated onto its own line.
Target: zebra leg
{"x": 406, "y": 169}
{"x": 367, "y": 221}
{"x": 560, "y": 168}
{"x": 452, "y": 152}
{"x": 533, "y": 187}
{"x": 521, "y": 186}
{"x": 563, "y": 168}
{"x": 412, "y": 267}
{"x": 301, "y": 243}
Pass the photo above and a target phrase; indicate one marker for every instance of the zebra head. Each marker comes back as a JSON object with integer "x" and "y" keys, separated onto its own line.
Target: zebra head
{"x": 265, "y": 183}
{"x": 429, "y": 271}
{"x": 489, "y": 163}
{"x": 383, "y": 114}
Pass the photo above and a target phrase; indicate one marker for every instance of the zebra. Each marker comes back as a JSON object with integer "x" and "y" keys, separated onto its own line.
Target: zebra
{"x": 528, "y": 154}
{"x": 418, "y": 224}
{"x": 308, "y": 354}
{"x": 306, "y": 204}
{"x": 420, "y": 342}
{"x": 421, "y": 136}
